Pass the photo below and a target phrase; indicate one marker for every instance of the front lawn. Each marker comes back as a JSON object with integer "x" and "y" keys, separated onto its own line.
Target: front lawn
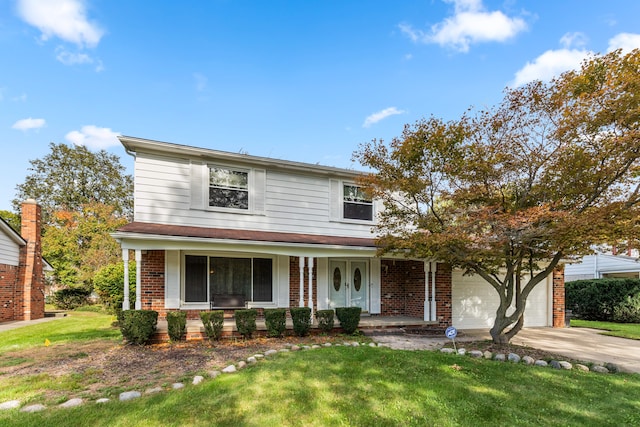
{"x": 623, "y": 330}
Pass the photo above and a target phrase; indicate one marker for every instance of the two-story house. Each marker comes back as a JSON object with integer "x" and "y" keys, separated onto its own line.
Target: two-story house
{"x": 214, "y": 229}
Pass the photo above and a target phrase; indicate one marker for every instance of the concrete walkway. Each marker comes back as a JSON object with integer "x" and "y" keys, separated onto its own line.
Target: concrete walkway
{"x": 582, "y": 344}
{"x": 7, "y": 326}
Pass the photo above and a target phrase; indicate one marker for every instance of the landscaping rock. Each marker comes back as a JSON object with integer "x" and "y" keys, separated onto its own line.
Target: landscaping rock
{"x": 242, "y": 364}
{"x": 462, "y": 351}
{"x": 566, "y": 365}
{"x": 270, "y": 352}
{"x": 355, "y": 344}
{"x": 129, "y": 395}
{"x": 295, "y": 348}
{"x": 102, "y": 400}
{"x": 315, "y": 346}
{"x": 327, "y": 344}
{"x": 599, "y": 369}
{"x": 555, "y": 364}
{"x": 447, "y": 350}
{"x": 346, "y": 344}
{"x": 177, "y": 386}
{"x": 514, "y": 358}
{"x": 71, "y": 403}
{"x": 528, "y": 360}
{"x": 11, "y": 404}
{"x": 306, "y": 347}
{"x": 284, "y": 350}
{"x": 251, "y": 360}
{"x": 487, "y": 355}
{"x": 34, "y": 408}
{"x": 197, "y": 379}
{"x": 581, "y": 367}
{"x": 500, "y": 357}
{"x": 259, "y": 356}
{"x": 229, "y": 369}
{"x": 371, "y": 344}
{"x": 612, "y": 367}
{"x": 475, "y": 353}
{"x": 214, "y": 374}
{"x": 542, "y": 363}
{"x": 153, "y": 390}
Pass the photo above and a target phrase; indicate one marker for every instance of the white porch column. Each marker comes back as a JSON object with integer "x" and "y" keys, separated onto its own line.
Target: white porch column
{"x": 301, "y": 264}
{"x": 433, "y": 291}
{"x": 311, "y": 286}
{"x": 125, "y": 259}
{"x": 427, "y": 304}
{"x": 138, "y": 280}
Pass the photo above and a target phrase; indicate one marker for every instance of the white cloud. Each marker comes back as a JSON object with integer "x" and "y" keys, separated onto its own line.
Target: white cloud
{"x": 65, "y": 19}
{"x": 21, "y": 98}
{"x": 625, "y": 41}
{"x": 94, "y": 137}
{"x": 381, "y": 115}
{"x": 28, "y": 124}
{"x": 576, "y": 39}
{"x": 71, "y": 58}
{"x": 550, "y": 64}
{"x": 470, "y": 24}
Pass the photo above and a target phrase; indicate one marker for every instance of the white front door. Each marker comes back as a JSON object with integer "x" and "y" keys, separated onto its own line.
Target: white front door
{"x": 349, "y": 284}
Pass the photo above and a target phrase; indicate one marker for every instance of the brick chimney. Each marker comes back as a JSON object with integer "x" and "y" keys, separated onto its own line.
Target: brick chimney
{"x": 30, "y": 290}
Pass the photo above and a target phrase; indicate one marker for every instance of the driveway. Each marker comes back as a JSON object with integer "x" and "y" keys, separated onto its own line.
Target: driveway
{"x": 582, "y": 344}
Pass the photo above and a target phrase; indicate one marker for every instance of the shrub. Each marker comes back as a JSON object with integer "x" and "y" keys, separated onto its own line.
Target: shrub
{"x": 137, "y": 326}
{"x": 176, "y": 324}
{"x": 596, "y": 299}
{"x": 275, "y": 319}
{"x": 246, "y": 322}
{"x": 108, "y": 283}
{"x": 628, "y": 311}
{"x": 301, "y": 317}
{"x": 213, "y": 322}
{"x": 349, "y": 318}
{"x": 325, "y": 320}
{"x": 71, "y": 298}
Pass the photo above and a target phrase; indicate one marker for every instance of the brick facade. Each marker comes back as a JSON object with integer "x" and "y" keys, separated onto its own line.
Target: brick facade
{"x": 152, "y": 281}
{"x": 558, "y": 297}
{"x": 22, "y": 286}
{"x": 294, "y": 282}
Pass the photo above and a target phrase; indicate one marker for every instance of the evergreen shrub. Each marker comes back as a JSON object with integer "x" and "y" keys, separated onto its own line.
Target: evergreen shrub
{"x": 275, "y": 320}
{"x": 137, "y": 326}
{"x": 325, "y": 320}
{"x": 71, "y": 298}
{"x": 213, "y": 322}
{"x": 301, "y": 317}
{"x": 176, "y": 324}
{"x": 349, "y": 318}
{"x": 246, "y": 322}
{"x": 596, "y": 299}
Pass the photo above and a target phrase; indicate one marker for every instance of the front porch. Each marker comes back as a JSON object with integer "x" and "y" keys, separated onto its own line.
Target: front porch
{"x": 195, "y": 329}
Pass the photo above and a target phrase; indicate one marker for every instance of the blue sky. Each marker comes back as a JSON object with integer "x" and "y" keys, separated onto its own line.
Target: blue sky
{"x": 299, "y": 80}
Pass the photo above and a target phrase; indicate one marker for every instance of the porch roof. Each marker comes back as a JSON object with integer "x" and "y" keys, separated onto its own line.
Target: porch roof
{"x": 148, "y": 229}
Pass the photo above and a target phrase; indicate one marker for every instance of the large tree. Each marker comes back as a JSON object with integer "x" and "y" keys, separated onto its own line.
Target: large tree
{"x": 71, "y": 176}
{"x": 510, "y": 193}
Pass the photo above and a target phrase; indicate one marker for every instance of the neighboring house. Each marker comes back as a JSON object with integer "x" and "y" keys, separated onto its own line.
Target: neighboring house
{"x": 603, "y": 265}
{"x": 21, "y": 267}
{"x": 214, "y": 229}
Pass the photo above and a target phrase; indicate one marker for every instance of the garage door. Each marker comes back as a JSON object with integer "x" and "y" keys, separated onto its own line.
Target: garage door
{"x": 474, "y": 303}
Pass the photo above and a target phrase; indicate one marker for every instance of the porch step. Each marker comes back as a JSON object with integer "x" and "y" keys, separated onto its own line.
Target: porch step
{"x": 55, "y": 313}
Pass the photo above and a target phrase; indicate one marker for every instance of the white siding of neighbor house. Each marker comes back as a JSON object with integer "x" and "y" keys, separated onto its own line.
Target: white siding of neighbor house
{"x": 290, "y": 202}
{"x": 9, "y": 250}
{"x": 474, "y": 303}
{"x": 595, "y": 266}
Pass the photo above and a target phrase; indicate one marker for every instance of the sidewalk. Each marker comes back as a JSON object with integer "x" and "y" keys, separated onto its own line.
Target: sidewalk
{"x": 7, "y": 326}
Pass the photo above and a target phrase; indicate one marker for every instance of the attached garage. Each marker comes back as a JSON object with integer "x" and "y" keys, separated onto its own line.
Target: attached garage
{"x": 474, "y": 303}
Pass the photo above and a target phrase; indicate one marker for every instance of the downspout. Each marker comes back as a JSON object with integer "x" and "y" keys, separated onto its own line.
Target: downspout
{"x": 433, "y": 290}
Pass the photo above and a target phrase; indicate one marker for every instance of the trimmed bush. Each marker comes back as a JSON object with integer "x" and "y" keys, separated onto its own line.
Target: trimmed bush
{"x": 349, "y": 318}
{"x": 71, "y": 298}
{"x": 213, "y": 321}
{"x": 628, "y": 311}
{"x": 137, "y": 326}
{"x": 176, "y": 324}
{"x": 325, "y": 320}
{"x": 596, "y": 299}
{"x": 275, "y": 319}
{"x": 301, "y": 317}
{"x": 246, "y": 322}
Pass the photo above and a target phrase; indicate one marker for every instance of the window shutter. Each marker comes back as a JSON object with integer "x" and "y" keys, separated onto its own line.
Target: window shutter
{"x": 259, "y": 190}
{"x": 374, "y": 289}
{"x": 197, "y": 190}
{"x": 335, "y": 204}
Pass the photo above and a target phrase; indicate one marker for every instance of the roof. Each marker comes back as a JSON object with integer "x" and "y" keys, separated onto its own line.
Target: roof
{"x": 242, "y": 235}
{"x": 134, "y": 145}
{"x": 13, "y": 234}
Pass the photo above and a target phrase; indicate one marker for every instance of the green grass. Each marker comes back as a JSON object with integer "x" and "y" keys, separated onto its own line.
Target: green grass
{"x": 77, "y": 326}
{"x": 366, "y": 386}
{"x": 623, "y": 330}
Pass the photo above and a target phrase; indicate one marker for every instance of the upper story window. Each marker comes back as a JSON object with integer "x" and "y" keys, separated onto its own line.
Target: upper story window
{"x": 228, "y": 188}
{"x": 356, "y": 204}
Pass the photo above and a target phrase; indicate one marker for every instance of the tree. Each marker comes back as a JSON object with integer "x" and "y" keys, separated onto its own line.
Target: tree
{"x": 71, "y": 176}
{"x": 12, "y": 219}
{"x": 511, "y": 192}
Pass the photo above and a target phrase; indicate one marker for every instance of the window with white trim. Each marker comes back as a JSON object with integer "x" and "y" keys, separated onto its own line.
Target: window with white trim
{"x": 228, "y": 188}
{"x": 356, "y": 204}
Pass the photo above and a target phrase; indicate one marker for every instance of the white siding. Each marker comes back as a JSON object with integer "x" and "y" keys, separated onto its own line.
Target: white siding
{"x": 9, "y": 250}
{"x": 290, "y": 203}
{"x": 474, "y": 303}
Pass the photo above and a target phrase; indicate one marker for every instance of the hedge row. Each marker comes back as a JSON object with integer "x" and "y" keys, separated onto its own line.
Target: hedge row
{"x": 609, "y": 300}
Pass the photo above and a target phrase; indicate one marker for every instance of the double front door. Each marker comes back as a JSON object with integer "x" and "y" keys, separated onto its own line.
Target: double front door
{"x": 349, "y": 284}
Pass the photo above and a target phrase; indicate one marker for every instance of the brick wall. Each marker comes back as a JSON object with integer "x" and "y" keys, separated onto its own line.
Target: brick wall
{"x": 443, "y": 295}
{"x": 294, "y": 282}
{"x": 558, "y": 297}
{"x": 152, "y": 280}
{"x": 8, "y": 281}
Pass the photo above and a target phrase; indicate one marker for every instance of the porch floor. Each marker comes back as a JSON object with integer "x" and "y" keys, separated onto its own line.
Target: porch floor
{"x": 194, "y": 326}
